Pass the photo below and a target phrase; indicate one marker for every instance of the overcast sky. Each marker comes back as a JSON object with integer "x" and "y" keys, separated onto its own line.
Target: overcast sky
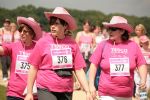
{"x": 130, "y": 7}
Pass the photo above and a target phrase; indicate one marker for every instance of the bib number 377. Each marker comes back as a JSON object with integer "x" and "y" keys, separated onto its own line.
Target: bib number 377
{"x": 119, "y": 66}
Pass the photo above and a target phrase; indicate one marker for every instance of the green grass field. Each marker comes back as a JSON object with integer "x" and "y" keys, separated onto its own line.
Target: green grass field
{"x": 149, "y": 94}
{"x": 2, "y": 92}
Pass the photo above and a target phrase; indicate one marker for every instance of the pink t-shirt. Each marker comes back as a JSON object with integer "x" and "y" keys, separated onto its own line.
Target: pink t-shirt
{"x": 19, "y": 67}
{"x": 126, "y": 56}
{"x": 41, "y": 58}
{"x": 146, "y": 54}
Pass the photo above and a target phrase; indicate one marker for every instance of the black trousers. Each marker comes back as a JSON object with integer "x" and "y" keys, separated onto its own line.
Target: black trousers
{"x": 13, "y": 98}
{"x": 44, "y": 94}
{"x": 5, "y": 60}
{"x": 87, "y": 65}
{"x": 17, "y": 98}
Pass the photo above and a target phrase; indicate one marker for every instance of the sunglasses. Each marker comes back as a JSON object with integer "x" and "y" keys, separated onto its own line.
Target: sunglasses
{"x": 113, "y": 29}
{"x": 25, "y": 31}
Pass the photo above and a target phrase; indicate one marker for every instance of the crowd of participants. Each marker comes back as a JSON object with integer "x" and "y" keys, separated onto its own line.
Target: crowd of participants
{"x": 104, "y": 60}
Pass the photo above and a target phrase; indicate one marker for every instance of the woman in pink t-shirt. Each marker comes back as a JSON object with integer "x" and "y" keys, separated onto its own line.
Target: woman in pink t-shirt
{"x": 144, "y": 42}
{"x": 19, "y": 52}
{"x": 118, "y": 57}
{"x": 54, "y": 58}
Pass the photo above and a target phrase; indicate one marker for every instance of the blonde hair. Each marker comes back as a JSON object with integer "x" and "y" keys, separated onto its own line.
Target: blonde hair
{"x": 13, "y": 24}
{"x": 142, "y": 27}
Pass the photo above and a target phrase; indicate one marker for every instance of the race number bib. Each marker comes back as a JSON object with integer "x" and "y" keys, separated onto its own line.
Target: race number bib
{"x": 61, "y": 57}
{"x": 85, "y": 47}
{"x": 22, "y": 66}
{"x": 119, "y": 67}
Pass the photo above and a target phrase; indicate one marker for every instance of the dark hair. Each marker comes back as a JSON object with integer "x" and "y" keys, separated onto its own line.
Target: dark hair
{"x": 125, "y": 36}
{"x": 87, "y": 21}
{"x": 93, "y": 27}
{"x": 54, "y": 19}
{"x": 6, "y": 21}
{"x": 31, "y": 31}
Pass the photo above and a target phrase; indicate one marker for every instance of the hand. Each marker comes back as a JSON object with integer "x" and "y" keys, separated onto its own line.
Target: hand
{"x": 29, "y": 97}
{"x": 88, "y": 96}
{"x": 77, "y": 85}
{"x": 93, "y": 91}
{"x": 142, "y": 85}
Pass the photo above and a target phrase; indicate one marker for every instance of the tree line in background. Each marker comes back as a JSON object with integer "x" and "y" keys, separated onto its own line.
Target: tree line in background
{"x": 96, "y": 17}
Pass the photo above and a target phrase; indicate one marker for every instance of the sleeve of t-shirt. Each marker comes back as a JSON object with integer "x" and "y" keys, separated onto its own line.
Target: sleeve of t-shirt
{"x": 79, "y": 62}
{"x": 96, "y": 56}
{"x": 35, "y": 57}
{"x": 140, "y": 58}
{"x": 7, "y": 48}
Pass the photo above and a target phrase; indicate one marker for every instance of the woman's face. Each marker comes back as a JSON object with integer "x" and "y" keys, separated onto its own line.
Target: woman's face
{"x": 86, "y": 27}
{"x": 57, "y": 29}
{"x": 97, "y": 30}
{"x": 13, "y": 27}
{"x": 139, "y": 31}
{"x": 6, "y": 25}
{"x": 25, "y": 35}
{"x": 115, "y": 34}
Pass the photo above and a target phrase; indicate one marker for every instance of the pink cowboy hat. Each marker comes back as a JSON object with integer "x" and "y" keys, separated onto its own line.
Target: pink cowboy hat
{"x": 33, "y": 24}
{"x": 119, "y": 22}
{"x": 144, "y": 39}
{"x": 61, "y": 13}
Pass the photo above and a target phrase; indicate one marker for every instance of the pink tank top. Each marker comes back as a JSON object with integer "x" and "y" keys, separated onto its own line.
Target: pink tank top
{"x": 7, "y": 37}
{"x": 85, "y": 42}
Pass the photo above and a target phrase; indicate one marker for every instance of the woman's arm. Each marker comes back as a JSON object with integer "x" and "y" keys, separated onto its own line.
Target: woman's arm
{"x": 1, "y": 50}
{"x": 92, "y": 74}
{"x": 82, "y": 79}
{"x": 93, "y": 40}
{"x": 77, "y": 39}
{"x": 30, "y": 82}
{"x": 143, "y": 75}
